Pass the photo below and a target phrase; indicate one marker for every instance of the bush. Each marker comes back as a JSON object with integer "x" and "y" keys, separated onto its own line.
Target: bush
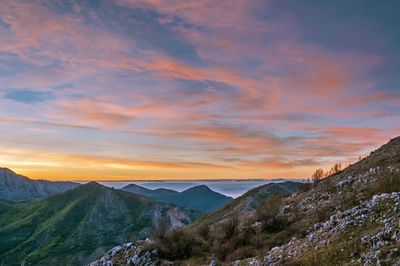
{"x": 317, "y": 175}
{"x": 336, "y": 168}
{"x": 178, "y": 245}
{"x": 328, "y": 185}
{"x": 389, "y": 181}
{"x": 304, "y": 187}
{"x": 204, "y": 231}
{"x": 323, "y": 213}
{"x": 221, "y": 249}
{"x": 230, "y": 227}
{"x": 230, "y": 236}
{"x": 266, "y": 213}
{"x": 159, "y": 228}
{"x": 275, "y": 225}
{"x": 242, "y": 253}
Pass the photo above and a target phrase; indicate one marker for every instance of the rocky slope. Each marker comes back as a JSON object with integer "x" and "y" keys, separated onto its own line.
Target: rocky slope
{"x": 349, "y": 218}
{"x": 18, "y": 187}
{"x": 74, "y": 227}
{"x": 368, "y": 233}
{"x": 200, "y": 198}
{"x": 128, "y": 254}
{"x": 352, "y": 217}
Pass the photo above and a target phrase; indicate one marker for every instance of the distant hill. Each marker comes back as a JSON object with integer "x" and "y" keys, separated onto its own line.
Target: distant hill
{"x": 157, "y": 194}
{"x": 18, "y": 187}
{"x": 247, "y": 202}
{"x": 200, "y": 198}
{"x": 74, "y": 227}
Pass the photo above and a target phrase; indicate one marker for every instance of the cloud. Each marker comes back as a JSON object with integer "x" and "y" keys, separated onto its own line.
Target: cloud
{"x": 222, "y": 14}
{"x": 229, "y": 84}
{"x": 113, "y": 162}
{"x": 42, "y": 123}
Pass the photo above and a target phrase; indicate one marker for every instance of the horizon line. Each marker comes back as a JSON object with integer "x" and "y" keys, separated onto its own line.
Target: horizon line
{"x": 181, "y": 180}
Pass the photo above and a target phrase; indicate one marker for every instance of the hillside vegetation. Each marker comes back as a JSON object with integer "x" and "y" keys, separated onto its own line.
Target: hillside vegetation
{"x": 74, "y": 227}
{"x": 348, "y": 218}
{"x": 246, "y": 203}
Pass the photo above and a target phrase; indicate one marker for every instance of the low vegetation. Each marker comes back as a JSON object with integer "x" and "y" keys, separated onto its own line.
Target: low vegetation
{"x": 279, "y": 219}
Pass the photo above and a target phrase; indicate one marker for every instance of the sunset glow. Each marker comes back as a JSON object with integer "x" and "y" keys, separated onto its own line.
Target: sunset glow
{"x": 148, "y": 89}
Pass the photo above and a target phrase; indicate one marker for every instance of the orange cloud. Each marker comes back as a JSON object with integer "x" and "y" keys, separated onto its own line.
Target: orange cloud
{"x": 42, "y": 123}
{"x": 221, "y": 14}
{"x": 113, "y": 162}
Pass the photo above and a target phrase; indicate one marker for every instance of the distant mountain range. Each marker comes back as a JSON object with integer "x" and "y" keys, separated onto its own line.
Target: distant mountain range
{"x": 75, "y": 226}
{"x": 18, "y": 187}
{"x": 157, "y": 194}
{"x": 200, "y": 198}
{"x": 53, "y": 223}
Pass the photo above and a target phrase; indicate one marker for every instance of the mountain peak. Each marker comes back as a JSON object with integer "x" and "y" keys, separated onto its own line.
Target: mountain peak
{"x": 19, "y": 187}
{"x": 6, "y": 170}
{"x": 199, "y": 188}
{"x": 93, "y": 183}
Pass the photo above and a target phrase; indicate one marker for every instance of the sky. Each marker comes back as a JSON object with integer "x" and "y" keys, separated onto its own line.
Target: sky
{"x": 188, "y": 89}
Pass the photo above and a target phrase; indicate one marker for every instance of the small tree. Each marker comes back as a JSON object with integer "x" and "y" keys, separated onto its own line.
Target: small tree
{"x": 318, "y": 175}
{"x": 231, "y": 226}
{"x": 160, "y": 228}
{"x": 337, "y": 167}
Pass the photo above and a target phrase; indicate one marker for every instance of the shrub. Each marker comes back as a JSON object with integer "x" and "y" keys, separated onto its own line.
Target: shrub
{"x": 275, "y": 224}
{"x": 323, "y": 213}
{"x": 328, "y": 186}
{"x": 221, "y": 249}
{"x": 230, "y": 227}
{"x": 159, "y": 228}
{"x": 389, "y": 181}
{"x": 317, "y": 175}
{"x": 245, "y": 236}
{"x": 242, "y": 253}
{"x": 336, "y": 168}
{"x": 178, "y": 245}
{"x": 204, "y": 231}
{"x": 230, "y": 236}
{"x": 304, "y": 187}
{"x": 266, "y": 213}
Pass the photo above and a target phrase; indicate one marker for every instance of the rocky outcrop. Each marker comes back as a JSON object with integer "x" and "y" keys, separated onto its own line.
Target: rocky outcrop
{"x": 128, "y": 254}
{"x": 376, "y": 222}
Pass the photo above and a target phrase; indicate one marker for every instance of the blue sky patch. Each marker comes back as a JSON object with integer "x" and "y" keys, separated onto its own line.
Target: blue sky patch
{"x": 28, "y": 96}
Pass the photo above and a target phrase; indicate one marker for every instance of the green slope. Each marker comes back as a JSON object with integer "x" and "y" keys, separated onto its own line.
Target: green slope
{"x": 247, "y": 202}
{"x": 74, "y": 227}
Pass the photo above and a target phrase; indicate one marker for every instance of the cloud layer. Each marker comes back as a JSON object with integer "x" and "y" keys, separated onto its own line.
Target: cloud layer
{"x": 194, "y": 89}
